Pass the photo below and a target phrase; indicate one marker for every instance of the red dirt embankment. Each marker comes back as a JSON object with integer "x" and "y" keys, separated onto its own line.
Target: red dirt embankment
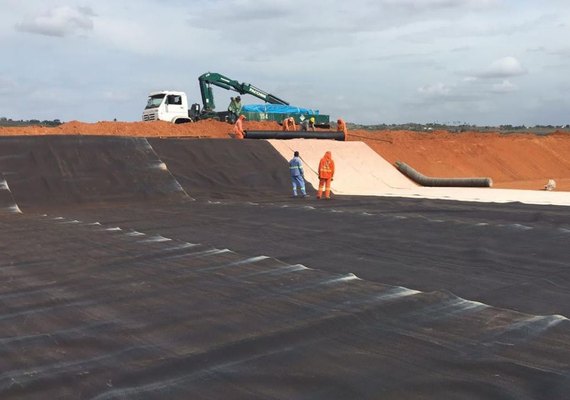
{"x": 518, "y": 161}
{"x": 205, "y": 128}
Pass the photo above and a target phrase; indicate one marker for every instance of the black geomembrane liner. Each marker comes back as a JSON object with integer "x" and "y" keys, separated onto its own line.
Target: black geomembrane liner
{"x": 115, "y": 284}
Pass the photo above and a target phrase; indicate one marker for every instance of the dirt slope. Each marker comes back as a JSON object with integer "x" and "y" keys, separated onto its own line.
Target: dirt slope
{"x": 519, "y": 161}
{"x": 205, "y": 128}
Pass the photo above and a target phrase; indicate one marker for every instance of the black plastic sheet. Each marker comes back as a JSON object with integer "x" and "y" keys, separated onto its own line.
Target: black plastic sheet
{"x": 330, "y": 135}
{"x": 237, "y": 295}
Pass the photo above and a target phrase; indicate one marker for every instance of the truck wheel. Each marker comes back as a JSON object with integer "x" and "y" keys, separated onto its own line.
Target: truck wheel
{"x": 182, "y": 121}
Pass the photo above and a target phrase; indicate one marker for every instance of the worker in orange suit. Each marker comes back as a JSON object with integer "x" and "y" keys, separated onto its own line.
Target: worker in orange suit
{"x": 238, "y": 128}
{"x": 341, "y": 127}
{"x": 326, "y": 174}
{"x": 289, "y": 124}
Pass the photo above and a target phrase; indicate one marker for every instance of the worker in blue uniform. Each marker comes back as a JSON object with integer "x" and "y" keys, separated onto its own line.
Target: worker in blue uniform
{"x": 297, "y": 175}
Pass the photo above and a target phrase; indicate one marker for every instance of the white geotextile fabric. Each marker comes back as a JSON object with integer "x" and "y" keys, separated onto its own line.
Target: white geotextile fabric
{"x": 362, "y": 171}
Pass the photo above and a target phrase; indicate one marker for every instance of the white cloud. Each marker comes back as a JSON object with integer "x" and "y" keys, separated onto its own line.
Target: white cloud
{"x": 440, "y": 4}
{"x": 505, "y": 67}
{"x": 440, "y": 94}
{"x": 118, "y": 96}
{"x": 504, "y": 87}
{"x": 435, "y": 90}
{"x": 59, "y": 21}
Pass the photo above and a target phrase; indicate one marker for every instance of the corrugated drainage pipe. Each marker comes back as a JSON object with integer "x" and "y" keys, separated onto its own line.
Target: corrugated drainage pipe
{"x": 331, "y": 135}
{"x": 441, "y": 182}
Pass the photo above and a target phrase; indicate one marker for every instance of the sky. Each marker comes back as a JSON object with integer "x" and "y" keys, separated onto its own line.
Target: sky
{"x": 481, "y": 62}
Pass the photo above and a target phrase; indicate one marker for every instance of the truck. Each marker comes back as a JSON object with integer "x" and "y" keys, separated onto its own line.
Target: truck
{"x": 172, "y": 106}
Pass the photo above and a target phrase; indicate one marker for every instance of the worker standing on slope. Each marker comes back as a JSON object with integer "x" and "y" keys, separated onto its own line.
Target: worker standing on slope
{"x": 297, "y": 174}
{"x": 289, "y": 124}
{"x": 326, "y": 174}
{"x": 308, "y": 124}
{"x": 238, "y": 128}
{"x": 234, "y": 108}
{"x": 341, "y": 127}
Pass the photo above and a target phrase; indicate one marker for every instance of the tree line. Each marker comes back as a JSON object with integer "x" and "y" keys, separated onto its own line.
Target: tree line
{"x": 28, "y": 122}
{"x": 460, "y": 127}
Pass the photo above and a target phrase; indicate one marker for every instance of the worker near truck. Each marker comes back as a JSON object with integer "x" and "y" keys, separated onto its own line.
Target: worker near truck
{"x": 326, "y": 174}
{"x": 234, "y": 108}
{"x": 297, "y": 174}
{"x": 238, "y": 128}
{"x": 289, "y": 124}
{"x": 341, "y": 127}
{"x": 308, "y": 124}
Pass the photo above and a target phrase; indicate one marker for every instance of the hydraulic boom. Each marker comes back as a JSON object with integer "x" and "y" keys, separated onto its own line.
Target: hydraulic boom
{"x": 212, "y": 78}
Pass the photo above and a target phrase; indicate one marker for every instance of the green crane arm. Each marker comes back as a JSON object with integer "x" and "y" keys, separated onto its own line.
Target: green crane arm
{"x": 212, "y": 78}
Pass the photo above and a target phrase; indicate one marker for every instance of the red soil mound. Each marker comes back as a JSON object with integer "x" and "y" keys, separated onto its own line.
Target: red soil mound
{"x": 205, "y": 128}
{"x": 518, "y": 161}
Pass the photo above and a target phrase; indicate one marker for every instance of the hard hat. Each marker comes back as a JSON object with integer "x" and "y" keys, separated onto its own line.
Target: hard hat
{"x": 312, "y": 119}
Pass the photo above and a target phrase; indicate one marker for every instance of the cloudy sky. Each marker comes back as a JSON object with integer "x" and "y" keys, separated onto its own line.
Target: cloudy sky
{"x": 484, "y": 62}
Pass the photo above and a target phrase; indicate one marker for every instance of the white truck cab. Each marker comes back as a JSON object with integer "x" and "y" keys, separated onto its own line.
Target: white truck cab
{"x": 167, "y": 106}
